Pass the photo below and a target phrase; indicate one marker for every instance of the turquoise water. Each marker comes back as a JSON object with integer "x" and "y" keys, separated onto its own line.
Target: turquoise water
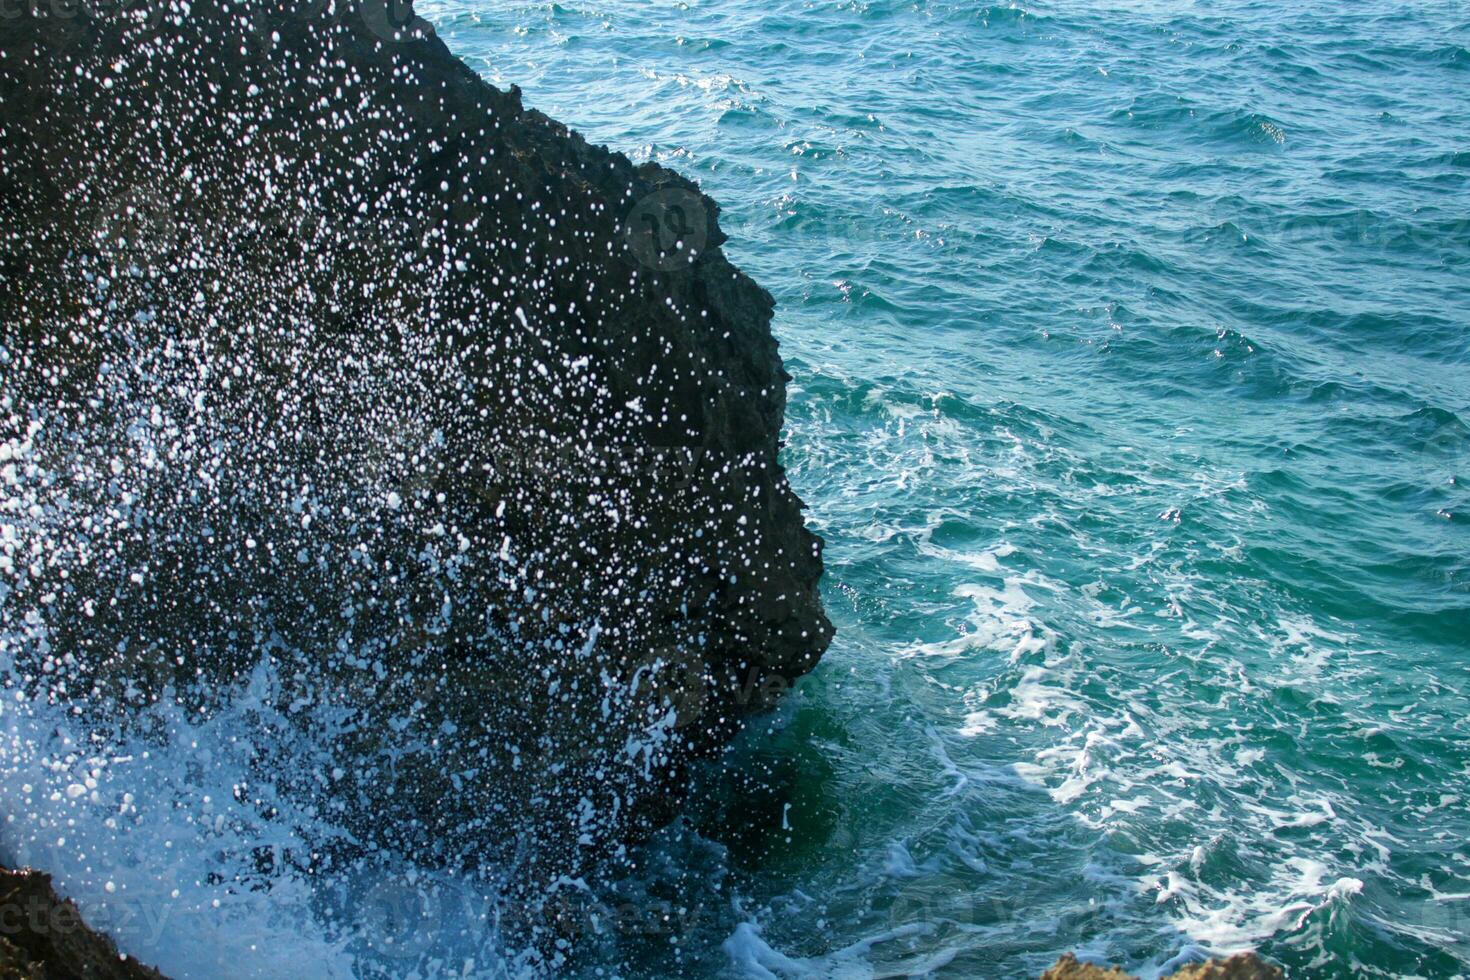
{"x": 1131, "y": 344}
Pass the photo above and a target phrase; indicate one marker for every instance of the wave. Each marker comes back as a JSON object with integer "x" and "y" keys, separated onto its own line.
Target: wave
{"x": 1163, "y": 113}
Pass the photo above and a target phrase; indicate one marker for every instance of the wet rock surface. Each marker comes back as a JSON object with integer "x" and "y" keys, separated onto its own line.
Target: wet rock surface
{"x": 334, "y": 379}
{"x": 43, "y": 937}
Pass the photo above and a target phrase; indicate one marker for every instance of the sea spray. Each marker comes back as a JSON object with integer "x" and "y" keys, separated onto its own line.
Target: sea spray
{"x": 391, "y": 498}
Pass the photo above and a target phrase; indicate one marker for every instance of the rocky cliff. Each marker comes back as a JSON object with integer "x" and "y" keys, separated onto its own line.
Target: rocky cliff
{"x": 43, "y": 937}
{"x": 335, "y": 378}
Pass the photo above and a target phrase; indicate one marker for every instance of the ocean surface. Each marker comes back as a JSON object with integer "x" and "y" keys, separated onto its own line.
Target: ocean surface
{"x": 1131, "y": 343}
{"x": 1131, "y": 357}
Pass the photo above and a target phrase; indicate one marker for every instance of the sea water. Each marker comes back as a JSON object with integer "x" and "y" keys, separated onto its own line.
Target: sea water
{"x": 1131, "y": 357}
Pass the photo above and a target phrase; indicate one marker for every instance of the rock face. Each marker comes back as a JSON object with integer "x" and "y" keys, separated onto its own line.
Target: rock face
{"x": 43, "y": 937}
{"x": 1242, "y": 966}
{"x": 333, "y": 378}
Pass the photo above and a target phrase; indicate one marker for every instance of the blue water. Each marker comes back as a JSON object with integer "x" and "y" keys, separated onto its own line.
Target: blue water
{"x": 1131, "y": 344}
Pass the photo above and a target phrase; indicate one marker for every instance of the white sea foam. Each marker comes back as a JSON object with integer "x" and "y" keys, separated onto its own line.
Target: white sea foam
{"x": 156, "y": 842}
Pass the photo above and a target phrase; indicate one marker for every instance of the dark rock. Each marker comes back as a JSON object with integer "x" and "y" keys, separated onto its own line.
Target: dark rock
{"x": 331, "y": 374}
{"x": 43, "y": 937}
